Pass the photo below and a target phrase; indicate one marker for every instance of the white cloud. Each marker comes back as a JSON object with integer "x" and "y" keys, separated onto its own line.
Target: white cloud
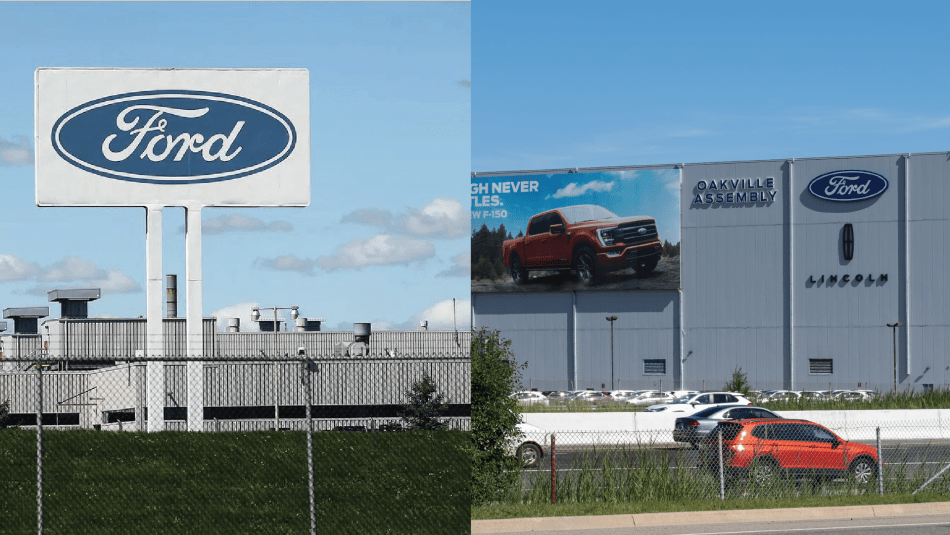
{"x": 72, "y": 268}
{"x": 72, "y": 271}
{"x": 573, "y": 190}
{"x": 379, "y": 250}
{"x": 240, "y": 223}
{"x": 444, "y": 316}
{"x": 16, "y": 152}
{"x": 238, "y": 310}
{"x": 116, "y": 282}
{"x": 461, "y": 266}
{"x": 13, "y": 268}
{"x": 288, "y": 262}
{"x": 442, "y": 217}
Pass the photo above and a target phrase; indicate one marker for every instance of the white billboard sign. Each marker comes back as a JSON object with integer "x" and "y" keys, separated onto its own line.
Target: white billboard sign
{"x": 172, "y": 137}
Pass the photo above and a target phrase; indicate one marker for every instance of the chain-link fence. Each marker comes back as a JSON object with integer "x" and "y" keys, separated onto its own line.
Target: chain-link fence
{"x": 113, "y": 445}
{"x": 735, "y": 459}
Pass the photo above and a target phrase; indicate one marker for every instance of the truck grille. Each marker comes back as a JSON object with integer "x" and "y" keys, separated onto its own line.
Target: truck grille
{"x": 632, "y": 233}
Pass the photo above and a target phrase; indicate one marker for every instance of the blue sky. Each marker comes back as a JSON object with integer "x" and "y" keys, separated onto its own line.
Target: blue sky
{"x": 386, "y": 237}
{"x": 564, "y": 84}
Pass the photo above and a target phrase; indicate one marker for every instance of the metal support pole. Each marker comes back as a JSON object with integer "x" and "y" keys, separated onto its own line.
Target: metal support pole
{"x": 39, "y": 449}
{"x": 722, "y": 478}
{"x": 276, "y": 384}
{"x": 880, "y": 465}
{"x": 313, "y": 510}
{"x": 553, "y": 473}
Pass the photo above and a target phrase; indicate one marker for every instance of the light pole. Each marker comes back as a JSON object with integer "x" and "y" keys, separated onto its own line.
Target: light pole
{"x": 612, "y": 319}
{"x": 894, "y": 327}
{"x": 256, "y": 316}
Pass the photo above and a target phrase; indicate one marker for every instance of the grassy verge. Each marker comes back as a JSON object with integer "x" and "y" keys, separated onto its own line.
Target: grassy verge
{"x": 937, "y": 399}
{"x": 99, "y": 482}
{"x": 485, "y": 512}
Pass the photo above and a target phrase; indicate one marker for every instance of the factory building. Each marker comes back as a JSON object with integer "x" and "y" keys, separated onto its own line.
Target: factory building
{"x": 806, "y": 274}
{"x": 93, "y": 371}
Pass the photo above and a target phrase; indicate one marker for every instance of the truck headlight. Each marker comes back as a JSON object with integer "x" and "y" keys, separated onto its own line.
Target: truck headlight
{"x": 606, "y": 236}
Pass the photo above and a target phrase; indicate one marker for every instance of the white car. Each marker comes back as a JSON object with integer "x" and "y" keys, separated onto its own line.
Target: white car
{"x": 530, "y": 398}
{"x": 532, "y": 445}
{"x": 692, "y": 403}
{"x": 623, "y": 395}
{"x": 651, "y": 397}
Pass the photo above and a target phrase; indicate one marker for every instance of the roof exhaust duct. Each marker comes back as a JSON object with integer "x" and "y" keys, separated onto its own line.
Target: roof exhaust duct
{"x": 171, "y": 296}
{"x": 74, "y": 304}
{"x": 424, "y": 325}
{"x": 362, "y": 332}
{"x": 234, "y": 325}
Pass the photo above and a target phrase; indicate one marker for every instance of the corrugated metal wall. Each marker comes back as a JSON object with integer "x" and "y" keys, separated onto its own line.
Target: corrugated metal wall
{"x": 747, "y": 299}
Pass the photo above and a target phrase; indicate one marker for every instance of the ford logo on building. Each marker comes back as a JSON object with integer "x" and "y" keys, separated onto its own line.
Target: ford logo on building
{"x": 847, "y": 186}
{"x": 173, "y": 137}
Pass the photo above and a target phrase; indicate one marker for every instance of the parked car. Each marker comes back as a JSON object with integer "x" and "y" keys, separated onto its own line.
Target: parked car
{"x": 592, "y": 396}
{"x": 557, "y": 396}
{"x": 532, "y": 445}
{"x": 588, "y": 239}
{"x": 852, "y": 396}
{"x": 693, "y": 429}
{"x": 621, "y": 396}
{"x": 530, "y": 398}
{"x": 696, "y": 402}
{"x": 650, "y": 397}
{"x": 784, "y": 395}
{"x": 764, "y": 450}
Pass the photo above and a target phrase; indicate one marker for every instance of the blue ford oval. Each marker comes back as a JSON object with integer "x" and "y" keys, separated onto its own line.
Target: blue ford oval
{"x": 848, "y": 186}
{"x": 174, "y": 137}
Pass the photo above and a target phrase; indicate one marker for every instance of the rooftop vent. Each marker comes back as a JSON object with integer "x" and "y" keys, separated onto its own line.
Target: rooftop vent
{"x": 171, "y": 296}
{"x": 362, "y": 332}
{"x": 25, "y": 318}
{"x": 74, "y": 304}
{"x": 234, "y": 325}
{"x": 3, "y": 326}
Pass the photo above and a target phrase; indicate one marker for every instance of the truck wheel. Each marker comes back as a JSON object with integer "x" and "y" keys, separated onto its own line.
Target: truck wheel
{"x": 585, "y": 263}
{"x": 646, "y": 267}
{"x": 518, "y": 272}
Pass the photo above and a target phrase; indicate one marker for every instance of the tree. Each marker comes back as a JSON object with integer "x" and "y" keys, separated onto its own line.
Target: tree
{"x": 738, "y": 383}
{"x": 495, "y": 375}
{"x": 425, "y": 406}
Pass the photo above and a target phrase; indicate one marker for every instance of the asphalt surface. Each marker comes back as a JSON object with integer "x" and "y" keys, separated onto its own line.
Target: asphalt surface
{"x": 906, "y": 519}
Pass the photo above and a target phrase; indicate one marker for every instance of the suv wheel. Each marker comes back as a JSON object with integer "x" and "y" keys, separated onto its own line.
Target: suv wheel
{"x": 585, "y": 263}
{"x": 518, "y": 272}
{"x": 530, "y": 455}
{"x": 763, "y": 471}
{"x": 863, "y": 469}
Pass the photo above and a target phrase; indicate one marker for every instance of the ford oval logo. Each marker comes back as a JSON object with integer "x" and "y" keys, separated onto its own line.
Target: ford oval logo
{"x": 173, "y": 137}
{"x": 847, "y": 186}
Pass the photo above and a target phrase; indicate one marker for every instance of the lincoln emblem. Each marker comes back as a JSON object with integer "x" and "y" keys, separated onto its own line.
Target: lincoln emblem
{"x": 847, "y": 241}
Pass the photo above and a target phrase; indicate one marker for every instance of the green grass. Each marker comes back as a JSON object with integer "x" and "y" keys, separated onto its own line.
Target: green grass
{"x": 101, "y": 482}
{"x": 485, "y": 512}
{"x": 641, "y": 479}
{"x": 937, "y": 399}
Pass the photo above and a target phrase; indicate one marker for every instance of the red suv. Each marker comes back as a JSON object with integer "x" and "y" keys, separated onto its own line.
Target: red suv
{"x": 765, "y": 449}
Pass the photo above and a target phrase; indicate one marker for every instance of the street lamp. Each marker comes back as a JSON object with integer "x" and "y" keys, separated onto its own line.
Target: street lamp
{"x": 894, "y": 327}
{"x": 256, "y": 316}
{"x": 612, "y": 319}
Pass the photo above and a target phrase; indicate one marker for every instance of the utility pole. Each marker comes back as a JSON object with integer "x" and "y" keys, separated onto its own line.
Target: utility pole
{"x": 612, "y": 319}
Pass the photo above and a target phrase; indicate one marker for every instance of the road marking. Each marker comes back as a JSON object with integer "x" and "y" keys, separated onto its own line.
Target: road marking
{"x": 818, "y": 529}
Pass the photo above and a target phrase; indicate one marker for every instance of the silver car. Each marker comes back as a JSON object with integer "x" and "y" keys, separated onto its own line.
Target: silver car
{"x": 693, "y": 429}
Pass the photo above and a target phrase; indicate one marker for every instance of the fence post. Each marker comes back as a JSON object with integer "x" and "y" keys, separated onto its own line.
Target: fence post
{"x": 313, "y": 510}
{"x": 553, "y": 473}
{"x": 39, "y": 448}
{"x": 880, "y": 465}
{"x": 722, "y": 479}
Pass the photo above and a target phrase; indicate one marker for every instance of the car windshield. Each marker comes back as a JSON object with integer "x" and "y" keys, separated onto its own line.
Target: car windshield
{"x": 707, "y": 412}
{"x": 586, "y": 212}
{"x": 684, "y": 399}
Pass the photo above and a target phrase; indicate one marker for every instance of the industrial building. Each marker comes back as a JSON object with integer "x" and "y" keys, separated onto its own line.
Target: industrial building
{"x": 807, "y": 274}
{"x": 93, "y": 371}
